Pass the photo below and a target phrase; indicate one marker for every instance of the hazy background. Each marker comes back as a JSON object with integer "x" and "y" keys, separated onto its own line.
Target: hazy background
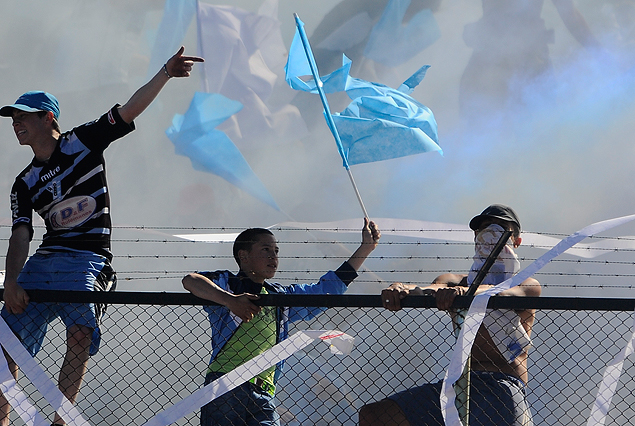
{"x": 557, "y": 147}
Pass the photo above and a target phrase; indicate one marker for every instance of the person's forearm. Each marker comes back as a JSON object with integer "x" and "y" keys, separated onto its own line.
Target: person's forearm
{"x": 143, "y": 97}
{"x": 17, "y": 254}
{"x": 205, "y": 288}
{"x": 357, "y": 259}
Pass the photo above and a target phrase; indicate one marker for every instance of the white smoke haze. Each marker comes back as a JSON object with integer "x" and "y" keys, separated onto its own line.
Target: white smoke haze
{"x": 560, "y": 151}
{"x": 558, "y": 148}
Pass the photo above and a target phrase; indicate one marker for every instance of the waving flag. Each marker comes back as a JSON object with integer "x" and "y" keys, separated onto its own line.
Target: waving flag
{"x": 310, "y": 60}
{"x": 245, "y": 54}
{"x": 177, "y": 17}
{"x": 298, "y": 65}
{"x": 381, "y": 123}
{"x": 210, "y": 150}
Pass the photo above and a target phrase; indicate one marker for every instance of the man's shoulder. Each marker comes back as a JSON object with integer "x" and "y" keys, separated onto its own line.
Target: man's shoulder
{"x": 532, "y": 287}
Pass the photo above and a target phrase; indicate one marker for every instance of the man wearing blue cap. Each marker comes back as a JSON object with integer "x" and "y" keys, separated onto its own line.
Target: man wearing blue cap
{"x": 65, "y": 184}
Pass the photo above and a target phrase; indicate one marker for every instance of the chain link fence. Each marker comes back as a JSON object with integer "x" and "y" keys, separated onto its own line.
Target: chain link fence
{"x": 155, "y": 351}
{"x": 156, "y": 338}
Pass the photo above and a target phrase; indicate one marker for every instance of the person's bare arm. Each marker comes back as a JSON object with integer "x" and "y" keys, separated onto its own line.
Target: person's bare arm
{"x": 370, "y": 239}
{"x": 241, "y": 305}
{"x": 177, "y": 66}
{"x": 15, "y": 298}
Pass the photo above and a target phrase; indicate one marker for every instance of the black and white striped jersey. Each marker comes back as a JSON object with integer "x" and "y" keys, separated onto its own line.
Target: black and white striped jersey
{"x": 69, "y": 191}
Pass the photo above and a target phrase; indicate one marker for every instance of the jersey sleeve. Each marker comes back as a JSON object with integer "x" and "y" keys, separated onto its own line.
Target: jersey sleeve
{"x": 98, "y": 134}
{"x": 330, "y": 283}
{"x": 21, "y": 207}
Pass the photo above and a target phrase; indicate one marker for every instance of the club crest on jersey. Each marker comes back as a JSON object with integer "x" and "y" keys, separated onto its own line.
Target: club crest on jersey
{"x": 111, "y": 118}
{"x": 55, "y": 188}
{"x": 72, "y": 212}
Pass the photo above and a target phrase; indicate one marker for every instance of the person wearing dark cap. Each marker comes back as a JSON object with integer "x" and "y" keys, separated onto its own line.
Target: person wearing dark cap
{"x": 65, "y": 184}
{"x": 500, "y": 352}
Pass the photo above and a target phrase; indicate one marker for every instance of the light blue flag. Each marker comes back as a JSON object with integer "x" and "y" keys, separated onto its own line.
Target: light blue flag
{"x": 177, "y": 17}
{"x": 383, "y": 123}
{"x": 194, "y": 135}
{"x": 298, "y": 66}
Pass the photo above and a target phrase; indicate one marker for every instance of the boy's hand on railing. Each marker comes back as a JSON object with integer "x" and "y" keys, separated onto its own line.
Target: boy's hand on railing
{"x": 242, "y": 306}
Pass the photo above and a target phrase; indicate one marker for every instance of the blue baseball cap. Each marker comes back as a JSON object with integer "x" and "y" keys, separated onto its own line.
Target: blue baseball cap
{"x": 33, "y": 102}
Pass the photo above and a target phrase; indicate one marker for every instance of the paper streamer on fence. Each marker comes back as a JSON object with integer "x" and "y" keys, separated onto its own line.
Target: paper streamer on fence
{"x": 476, "y": 313}
{"x": 340, "y": 343}
{"x": 40, "y": 380}
{"x": 17, "y": 399}
{"x": 411, "y": 228}
{"x": 609, "y": 382}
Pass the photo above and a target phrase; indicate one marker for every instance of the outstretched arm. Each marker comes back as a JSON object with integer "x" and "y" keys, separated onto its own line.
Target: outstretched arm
{"x": 370, "y": 239}
{"x": 446, "y": 287}
{"x": 177, "y": 66}
{"x": 241, "y": 305}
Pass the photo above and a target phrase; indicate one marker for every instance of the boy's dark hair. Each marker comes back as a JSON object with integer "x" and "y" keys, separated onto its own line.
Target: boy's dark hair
{"x": 246, "y": 239}
{"x": 56, "y": 125}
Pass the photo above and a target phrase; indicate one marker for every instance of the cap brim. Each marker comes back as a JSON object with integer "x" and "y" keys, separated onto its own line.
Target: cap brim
{"x": 476, "y": 221}
{"x": 7, "y": 111}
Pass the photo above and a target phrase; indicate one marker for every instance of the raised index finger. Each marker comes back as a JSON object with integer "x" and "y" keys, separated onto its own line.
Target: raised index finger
{"x": 193, "y": 58}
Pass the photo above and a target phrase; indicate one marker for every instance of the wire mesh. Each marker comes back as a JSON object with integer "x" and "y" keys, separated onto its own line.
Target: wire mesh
{"x": 153, "y": 356}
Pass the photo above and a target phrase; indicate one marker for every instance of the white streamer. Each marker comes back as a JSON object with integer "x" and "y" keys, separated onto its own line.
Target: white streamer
{"x": 433, "y": 231}
{"x": 40, "y": 380}
{"x": 340, "y": 343}
{"x": 609, "y": 383}
{"x": 17, "y": 398}
{"x": 476, "y": 313}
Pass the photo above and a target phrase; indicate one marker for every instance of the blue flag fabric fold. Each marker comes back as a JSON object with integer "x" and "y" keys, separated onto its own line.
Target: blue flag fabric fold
{"x": 210, "y": 150}
{"x": 298, "y": 66}
{"x": 380, "y": 123}
{"x": 383, "y": 123}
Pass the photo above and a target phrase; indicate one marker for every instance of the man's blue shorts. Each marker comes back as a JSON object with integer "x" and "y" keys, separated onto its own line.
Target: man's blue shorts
{"x": 56, "y": 271}
{"x": 246, "y": 405}
{"x": 495, "y": 399}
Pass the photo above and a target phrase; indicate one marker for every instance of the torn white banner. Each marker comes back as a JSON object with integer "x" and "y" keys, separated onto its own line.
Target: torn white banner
{"x": 609, "y": 382}
{"x": 476, "y": 313}
{"x": 340, "y": 343}
{"x": 40, "y": 380}
{"x": 434, "y": 231}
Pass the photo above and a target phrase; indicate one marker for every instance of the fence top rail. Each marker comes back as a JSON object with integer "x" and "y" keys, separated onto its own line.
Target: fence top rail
{"x": 331, "y": 301}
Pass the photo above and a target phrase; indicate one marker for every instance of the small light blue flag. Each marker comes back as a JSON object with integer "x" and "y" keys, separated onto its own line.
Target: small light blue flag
{"x": 298, "y": 66}
{"x": 383, "y": 123}
{"x": 194, "y": 135}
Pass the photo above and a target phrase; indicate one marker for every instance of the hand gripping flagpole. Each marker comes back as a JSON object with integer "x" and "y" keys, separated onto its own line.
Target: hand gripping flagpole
{"x": 327, "y": 110}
